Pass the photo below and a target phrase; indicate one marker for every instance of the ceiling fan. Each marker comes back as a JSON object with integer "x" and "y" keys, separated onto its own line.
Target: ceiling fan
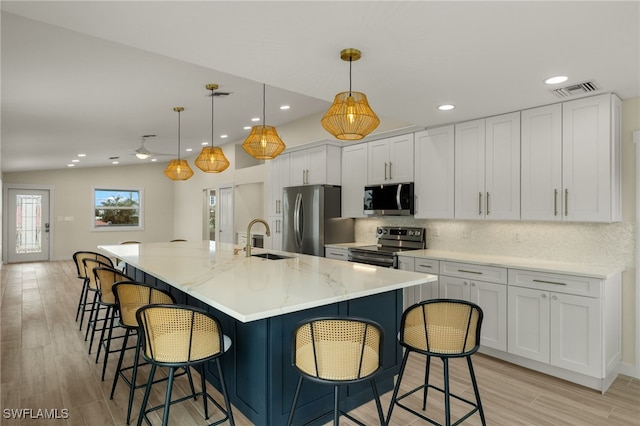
{"x": 143, "y": 153}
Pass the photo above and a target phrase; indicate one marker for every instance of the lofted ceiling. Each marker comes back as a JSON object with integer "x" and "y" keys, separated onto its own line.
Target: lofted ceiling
{"x": 94, "y": 77}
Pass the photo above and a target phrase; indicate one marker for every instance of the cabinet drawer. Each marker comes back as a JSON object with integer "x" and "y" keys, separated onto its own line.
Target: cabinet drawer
{"x": 427, "y": 266}
{"x": 335, "y": 253}
{"x": 569, "y": 284}
{"x": 474, "y": 272}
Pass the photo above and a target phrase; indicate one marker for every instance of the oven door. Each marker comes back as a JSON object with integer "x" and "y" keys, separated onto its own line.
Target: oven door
{"x": 386, "y": 260}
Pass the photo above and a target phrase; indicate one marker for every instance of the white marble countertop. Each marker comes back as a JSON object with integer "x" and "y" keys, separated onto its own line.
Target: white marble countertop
{"x": 252, "y": 288}
{"x": 588, "y": 270}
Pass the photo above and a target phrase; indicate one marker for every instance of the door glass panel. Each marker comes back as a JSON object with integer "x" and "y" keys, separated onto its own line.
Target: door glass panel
{"x": 28, "y": 224}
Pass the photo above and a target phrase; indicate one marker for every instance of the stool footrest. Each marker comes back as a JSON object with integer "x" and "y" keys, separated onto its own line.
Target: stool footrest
{"x": 184, "y": 398}
{"x": 424, "y": 417}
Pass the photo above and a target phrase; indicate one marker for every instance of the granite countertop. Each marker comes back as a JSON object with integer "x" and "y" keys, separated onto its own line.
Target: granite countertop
{"x": 252, "y": 288}
{"x": 587, "y": 270}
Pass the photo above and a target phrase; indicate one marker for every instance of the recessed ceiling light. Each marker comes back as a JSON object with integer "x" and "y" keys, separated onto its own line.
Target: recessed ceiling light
{"x": 246, "y": 128}
{"x": 255, "y": 119}
{"x": 115, "y": 162}
{"x": 82, "y": 155}
{"x": 285, "y": 107}
{"x": 557, "y": 79}
{"x": 224, "y": 136}
{"x": 446, "y": 107}
{"x": 204, "y": 143}
{"x": 71, "y": 165}
{"x": 75, "y": 161}
{"x": 189, "y": 149}
{"x": 154, "y": 159}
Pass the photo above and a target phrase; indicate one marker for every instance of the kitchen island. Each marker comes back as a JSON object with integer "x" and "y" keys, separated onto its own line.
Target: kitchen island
{"x": 260, "y": 301}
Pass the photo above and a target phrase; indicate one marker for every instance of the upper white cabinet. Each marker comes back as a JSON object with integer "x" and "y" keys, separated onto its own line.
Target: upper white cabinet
{"x": 571, "y": 161}
{"x": 354, "y": 179}
{"x": 434, "y": 177}
{"x": 591, "y": 159}
{"x": 390, "y": 160}
{"x": 278, "y": 178}
{"x": 318, "y": 165}
{"x": 487, "y": 168}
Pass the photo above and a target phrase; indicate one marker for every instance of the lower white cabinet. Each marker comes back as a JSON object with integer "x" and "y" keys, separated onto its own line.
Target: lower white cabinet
{"x": 274, "y": 241}
{"x": 467, "y": 284}
{"x": 338, "y": 253}
{"x": 566, "y": 321}
{"x": 418, "y": 293}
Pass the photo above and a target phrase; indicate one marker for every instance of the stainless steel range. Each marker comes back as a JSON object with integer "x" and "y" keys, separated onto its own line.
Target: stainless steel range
{"x": 391, "y": 239}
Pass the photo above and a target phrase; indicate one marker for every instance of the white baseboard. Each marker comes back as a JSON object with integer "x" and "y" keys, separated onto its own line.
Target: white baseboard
{"x": 629, "y": 370}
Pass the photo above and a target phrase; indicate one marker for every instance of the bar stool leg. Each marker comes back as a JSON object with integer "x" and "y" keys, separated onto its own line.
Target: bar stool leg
{"x": 295, "y": 401}
{"x": 119, "y": 366}
{"x": 147, "y": 391}
{"x": 376, "y": 396}
{"x": 203, "y": 384}
{"x": 167, "y": 401}
{"x": 81, "y": 302}
{"x": 476, "y": 391}
{"x": 427, "y": 369}
{"x": 397, "y": 386}
{"x": 107, "y": 349}
{"x": 336, "y": 405}
{"x": 447, "y": 401}
{"x": 224, "y": 393}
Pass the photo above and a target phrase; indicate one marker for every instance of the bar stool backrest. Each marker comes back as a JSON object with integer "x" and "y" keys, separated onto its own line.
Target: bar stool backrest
{"x": 442, "y": 327}
{"x": 176, "y": 335}
{"x": 89, "y": 264}
{"x": 106, "y": 278}
{"x": 337, "y": 349}
{"x": 79, "y": 256}
{"x": 131, "y": 296}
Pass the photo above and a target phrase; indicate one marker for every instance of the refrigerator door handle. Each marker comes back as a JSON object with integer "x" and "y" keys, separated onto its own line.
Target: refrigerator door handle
{"x": 298, "y": 224}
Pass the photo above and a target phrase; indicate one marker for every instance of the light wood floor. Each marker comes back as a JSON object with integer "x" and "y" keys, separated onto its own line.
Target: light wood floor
{"x": 44, "y": 365}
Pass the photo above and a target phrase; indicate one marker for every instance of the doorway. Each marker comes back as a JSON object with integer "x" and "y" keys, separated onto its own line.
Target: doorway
{"x": 225, "y": 215}
{"x": 209, "y": 225}
{"x": 28, "y": 225}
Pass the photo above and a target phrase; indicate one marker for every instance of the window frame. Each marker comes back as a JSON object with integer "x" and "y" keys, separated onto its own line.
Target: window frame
{"x": 119, "y": 228}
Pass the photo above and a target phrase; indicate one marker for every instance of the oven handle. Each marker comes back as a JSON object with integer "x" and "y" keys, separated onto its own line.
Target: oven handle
{"x": 372, "y": 260}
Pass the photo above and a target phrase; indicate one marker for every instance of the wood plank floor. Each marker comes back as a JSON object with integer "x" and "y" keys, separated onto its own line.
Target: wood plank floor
{"x": 45, "y": 366}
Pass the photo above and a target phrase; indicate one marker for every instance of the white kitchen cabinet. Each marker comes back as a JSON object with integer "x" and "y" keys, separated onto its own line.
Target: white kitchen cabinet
{"x": 434, "y": 176}
{"x": 274, "y": 241}
{"x": 390, "y": 160}
{"x": 570, "y": 322}
{"x": 354, "y": 179}
{"x": 571, "y": 161}
{"x": 415, "y": 294}
{"x": 591, "y": 153}
{"x": 487, "y": 168}
{"x": 339, "y": 253}
{"x": 484, "y": 286}
{"x": 278, "y": 178}
{"x": 317, "y": 165}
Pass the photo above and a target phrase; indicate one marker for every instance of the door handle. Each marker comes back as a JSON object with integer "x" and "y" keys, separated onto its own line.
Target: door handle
{"x": 566, "y": 202}
{"x": 555, "y": 202}
{"x": 487, "y": 209}
{"x": 385, "y": 171}
{"x": 46, "y": 227}
{"x": 479, "y": 203}
{"x": 390, "y": 177}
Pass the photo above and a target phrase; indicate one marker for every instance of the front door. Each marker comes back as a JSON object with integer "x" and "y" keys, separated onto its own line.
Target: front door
{"x": 27, "y": 225}
{"x": 225, "y": 214}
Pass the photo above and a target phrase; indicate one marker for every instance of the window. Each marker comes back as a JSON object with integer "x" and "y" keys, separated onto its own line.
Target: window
{"x": 117, "y": 209}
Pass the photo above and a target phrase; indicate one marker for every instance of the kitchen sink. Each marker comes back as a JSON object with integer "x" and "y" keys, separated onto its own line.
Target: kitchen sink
{"x": 271, "y": 256}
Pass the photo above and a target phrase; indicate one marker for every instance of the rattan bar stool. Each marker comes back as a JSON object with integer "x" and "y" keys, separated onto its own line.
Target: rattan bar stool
{"x": 78, "y": 258}
{"x": 177, "y": 336}
{"x": 443, "y": 328}
{"x": 131, "y": 296}
{"x": 337, "y": 351}
{"x": 105, "y": 279}
{"x": 92, "y": 287}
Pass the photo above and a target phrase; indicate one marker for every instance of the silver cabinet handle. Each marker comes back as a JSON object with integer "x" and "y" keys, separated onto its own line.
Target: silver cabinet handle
{"x": 554, "y": 297}
{"x": 566, "y": 202}
{"x": 426, "y": 266}
{"x": 555, "y": 202}
{"x": 470, "y": 272}
{"x": 487, "y": 204}
{"x": 479, "y": 203}
{"x": 549, "y": 282}
{"x": 465, "y": 283}
{"x": 543, "y": 295}
{"x": 473, "y": 284}
{"x": 390, "y": 177}
{"x": 385, "y": 171}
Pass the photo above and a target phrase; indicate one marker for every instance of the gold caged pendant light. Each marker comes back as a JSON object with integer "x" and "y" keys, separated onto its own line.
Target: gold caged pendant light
{"x": 350, "y": 117}
{"x": 263, "y": 142}
{"x": 211, "y": 158}
{"x": 178, "y": 169}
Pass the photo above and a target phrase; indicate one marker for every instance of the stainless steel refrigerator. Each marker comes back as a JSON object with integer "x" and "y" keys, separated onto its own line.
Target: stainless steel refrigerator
{"x": 312, "y": 219}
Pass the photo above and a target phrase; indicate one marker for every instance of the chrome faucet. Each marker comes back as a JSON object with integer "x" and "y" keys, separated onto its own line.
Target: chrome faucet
{"x": 253, "y": 222}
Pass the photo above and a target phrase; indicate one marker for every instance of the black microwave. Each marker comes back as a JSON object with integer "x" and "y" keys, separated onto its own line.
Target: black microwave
{"x": 389, "y": 200}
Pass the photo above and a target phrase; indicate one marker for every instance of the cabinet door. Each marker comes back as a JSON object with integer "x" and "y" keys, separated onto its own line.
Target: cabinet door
{"x": 454, "y": 288}
{"x": 434, "y": 179}
{"x": 586, "y": 146}
{"x": 354, "y": 179}
{"x": 575, "y": 334}
{"x": 492, "y": 298}
{"x": 401, "y": 158}
{"x": 336, "y": 253}
{"x": 541, "y": 163}
{"x": 316, "y": 165}
{"x": 528, "y": 323}
{"x": 278, "y": 178}
{"x": 469, "y": 170}
{"x": 502, "y": 167}
{"x": 378, "y": 162}
{"x": 428, "y": 291}
{"x": 274, "y": 242}
{"x": 298, "y": 170}
{"x": 410, "y": 295}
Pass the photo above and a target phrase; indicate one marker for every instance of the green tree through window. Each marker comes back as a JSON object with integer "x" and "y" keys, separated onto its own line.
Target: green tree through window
{"x": 115, "y": 207}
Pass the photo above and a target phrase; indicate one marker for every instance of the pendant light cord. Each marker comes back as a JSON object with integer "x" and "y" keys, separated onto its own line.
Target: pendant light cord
{"x": 264, "y": 108}
{"x": 212, "y": 96}
{"x": 178, "y": 135}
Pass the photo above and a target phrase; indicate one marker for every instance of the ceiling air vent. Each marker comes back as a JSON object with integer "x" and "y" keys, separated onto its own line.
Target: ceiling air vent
{"x": 576, "y": 89}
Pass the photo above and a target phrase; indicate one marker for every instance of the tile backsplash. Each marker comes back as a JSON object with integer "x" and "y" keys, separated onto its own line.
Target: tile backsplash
{"x": 596, "y": 243}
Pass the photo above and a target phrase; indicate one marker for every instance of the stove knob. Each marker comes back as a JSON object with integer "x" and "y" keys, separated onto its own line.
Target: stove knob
{"x": 417, "y": 233}
{"x": 411, "y": 233}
